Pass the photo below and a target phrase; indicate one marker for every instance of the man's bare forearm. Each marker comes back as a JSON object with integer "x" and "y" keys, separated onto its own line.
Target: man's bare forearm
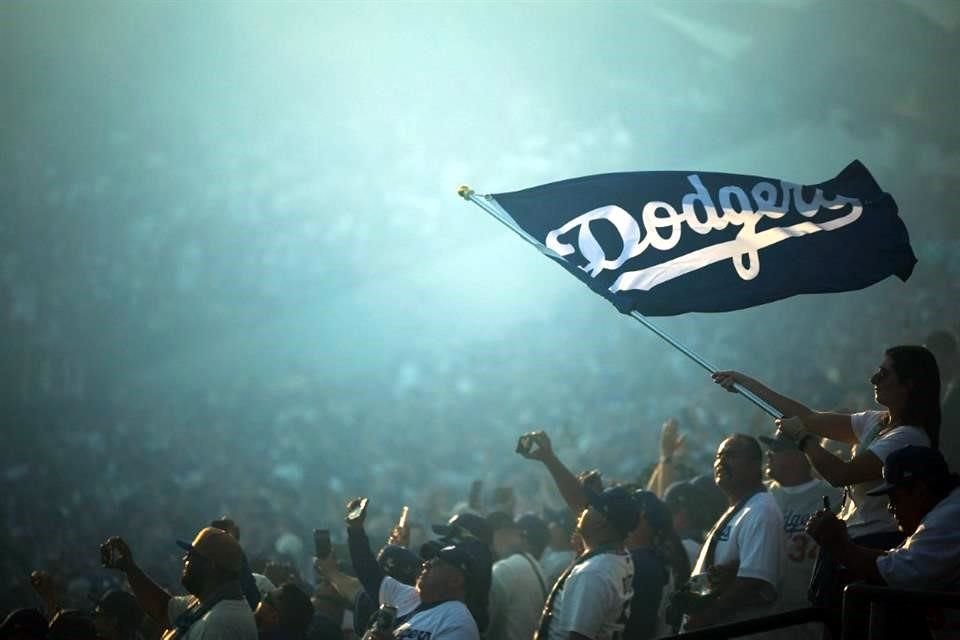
{"x": 567, "y": 483}
{"x": 152, "y": 597}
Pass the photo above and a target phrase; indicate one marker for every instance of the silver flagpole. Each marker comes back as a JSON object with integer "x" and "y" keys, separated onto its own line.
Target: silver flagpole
{"x": 492, "y": 207}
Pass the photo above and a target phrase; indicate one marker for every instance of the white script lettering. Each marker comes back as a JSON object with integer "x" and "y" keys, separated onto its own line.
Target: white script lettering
{"x": 662, "y": 226}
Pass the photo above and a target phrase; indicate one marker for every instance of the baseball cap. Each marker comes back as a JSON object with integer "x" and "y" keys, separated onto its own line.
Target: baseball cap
{"x": 217, "y": 546}
{"x": 681, "y": 494}
{"x": 909, "y": 463}
{"x": 399, "y": 563}
{"x": 458, "y": 556}
{"x": 466, "y": 525}
{"x": 618, "y": 506}
{"x": 534, "y": 529}
{"x": 653, "y": 509}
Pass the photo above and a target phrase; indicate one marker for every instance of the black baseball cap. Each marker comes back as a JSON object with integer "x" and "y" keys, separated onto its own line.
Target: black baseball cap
{"x": 652, "y": 508}
{"x": 466, "y": 525}
{"x": 459, "y": 556}
{"x": 399, "y": 563}
{"x": 908, "y": 464}
{"x": 618, "y": 506}
{"x": 534, "y": 529}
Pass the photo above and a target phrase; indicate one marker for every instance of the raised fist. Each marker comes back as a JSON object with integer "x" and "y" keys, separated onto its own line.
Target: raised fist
{"x": 116, "y": 554}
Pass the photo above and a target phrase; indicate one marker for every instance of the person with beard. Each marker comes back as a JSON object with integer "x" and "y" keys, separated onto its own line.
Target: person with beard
{"x": 435, "y": 607}
{"x": 216, "y": 608}
{"x": 591, "y": 598}
{"x": 742, "y": 557}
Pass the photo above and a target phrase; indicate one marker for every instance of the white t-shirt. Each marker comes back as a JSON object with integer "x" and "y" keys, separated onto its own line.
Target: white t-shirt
{"x": 227, "y": 620}
{"x": 797, "y": 504}
{"x": 753, "y": 540}
{"x": 930, "y": 558}
{"x": 868, "y": 514}
{"x": 264, "y": 586}
{"x": 595, "y": 599}
{"x": 517, "y": 593}
{"x": 692, "y": 547}
{"x": 450, "y": 620}
{"x": 554, "y": 562}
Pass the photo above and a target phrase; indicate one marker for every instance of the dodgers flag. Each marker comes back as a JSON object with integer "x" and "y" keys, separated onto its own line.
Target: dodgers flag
{"x": 669, "y": 242}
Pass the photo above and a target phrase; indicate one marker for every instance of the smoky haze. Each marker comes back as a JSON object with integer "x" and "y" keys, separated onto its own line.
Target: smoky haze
{"x": 233, "y": 262}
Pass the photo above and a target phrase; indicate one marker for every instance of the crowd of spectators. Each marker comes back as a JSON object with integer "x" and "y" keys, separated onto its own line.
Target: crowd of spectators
{"x": 164, "y": 478}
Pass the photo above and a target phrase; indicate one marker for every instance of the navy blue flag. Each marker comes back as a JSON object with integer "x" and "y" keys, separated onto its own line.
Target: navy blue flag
{"x": 670, "y": 242}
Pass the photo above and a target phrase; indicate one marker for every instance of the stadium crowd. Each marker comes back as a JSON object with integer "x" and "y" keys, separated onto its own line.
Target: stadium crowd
{"x": 764, "y": 518}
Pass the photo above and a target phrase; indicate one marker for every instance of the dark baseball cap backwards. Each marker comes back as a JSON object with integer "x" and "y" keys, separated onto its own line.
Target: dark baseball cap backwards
{"x": 461, "y": 558}
{"x": 399, "y": 563}
{"x": 534, "y": 529}
{"x": 905, "y": 465}
{"x": 653, "y": 510}
{"x": 466, "y": 525}
{"x": 618, "y": 506}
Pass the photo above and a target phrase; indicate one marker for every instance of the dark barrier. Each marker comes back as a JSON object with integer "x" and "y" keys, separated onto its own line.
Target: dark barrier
{"x": 754, "y": 625}
{"x": 857, "y": 599}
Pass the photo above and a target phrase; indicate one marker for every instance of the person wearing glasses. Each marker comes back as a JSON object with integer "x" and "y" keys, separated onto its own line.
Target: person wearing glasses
{"x": 216, "y": 608}
{"x": 907, "y": 386}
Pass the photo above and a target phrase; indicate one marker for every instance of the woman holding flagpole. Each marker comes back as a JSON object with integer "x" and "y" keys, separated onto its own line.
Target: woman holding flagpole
{"x": 907, "y": 386}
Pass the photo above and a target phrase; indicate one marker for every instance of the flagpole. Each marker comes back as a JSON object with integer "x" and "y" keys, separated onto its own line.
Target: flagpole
{"x": 497, "y": 212}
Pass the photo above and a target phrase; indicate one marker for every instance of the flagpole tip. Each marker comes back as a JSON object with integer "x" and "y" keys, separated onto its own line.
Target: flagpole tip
{"x": 464, "y": 191}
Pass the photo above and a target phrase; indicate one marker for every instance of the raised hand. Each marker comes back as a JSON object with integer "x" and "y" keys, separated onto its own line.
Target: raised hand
{"x": 535, "y": 446}
{"x": 116, "y": 554}
{"x": 671, "y": 442}
{"x": 356, "y": 513}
